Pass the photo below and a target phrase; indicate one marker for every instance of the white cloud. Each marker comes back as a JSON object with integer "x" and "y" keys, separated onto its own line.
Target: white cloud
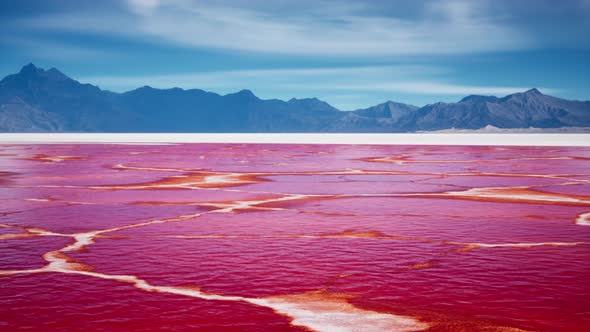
{"x": 442, "y": 88}
{"x": 55, "y": 50}
{"x": 233, "y": 80}
{"x": 143, "y": 7}
{"x": 453, "y": 27}
{"x": 450, "y": 29}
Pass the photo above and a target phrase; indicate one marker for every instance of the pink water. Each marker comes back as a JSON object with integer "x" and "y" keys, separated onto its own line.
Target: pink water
{"x": 253, "y": 237}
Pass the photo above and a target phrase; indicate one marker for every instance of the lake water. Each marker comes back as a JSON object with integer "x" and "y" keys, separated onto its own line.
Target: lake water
{"x": 280, "y": 237}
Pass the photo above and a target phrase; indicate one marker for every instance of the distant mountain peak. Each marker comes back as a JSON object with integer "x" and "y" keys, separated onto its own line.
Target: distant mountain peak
{"x": 531, "y": 94}
{"x": 30, "y": 71}
{"x": 296, "y": 100}
{"x": 533, "y": 91}
{"x": 395, "y": 105}
{"x": 29, "y": 68}
{"x": 245, "y": 92}
{"x": 478, "y": 98}
{"x": 387, "y": 110}
{"x": 56, "y": 74}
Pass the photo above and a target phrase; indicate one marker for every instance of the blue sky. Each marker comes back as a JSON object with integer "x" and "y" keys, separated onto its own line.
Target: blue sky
{"x": 351, "y": 54}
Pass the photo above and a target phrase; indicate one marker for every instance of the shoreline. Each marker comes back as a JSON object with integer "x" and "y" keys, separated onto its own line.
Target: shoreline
{"x": 528, "y": 139}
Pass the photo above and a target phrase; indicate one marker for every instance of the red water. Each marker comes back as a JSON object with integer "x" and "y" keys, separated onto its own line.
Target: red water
{"x": 251, "y": 237}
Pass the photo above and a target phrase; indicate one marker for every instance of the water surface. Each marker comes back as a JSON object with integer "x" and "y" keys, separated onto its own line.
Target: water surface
{"x": 265, "y": 237}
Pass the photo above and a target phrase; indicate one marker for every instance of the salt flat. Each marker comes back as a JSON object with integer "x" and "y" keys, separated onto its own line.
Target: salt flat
{"x": 522, "y": 139}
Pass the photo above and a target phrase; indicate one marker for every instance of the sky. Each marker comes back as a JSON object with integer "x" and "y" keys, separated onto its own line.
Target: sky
{"x": 352, "y": 54}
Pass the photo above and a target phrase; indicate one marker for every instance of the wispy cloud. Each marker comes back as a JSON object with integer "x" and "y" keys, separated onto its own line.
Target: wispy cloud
{"x": 143, "y": 7}
{"x": 230, "y": 80}
{"x": 449, "y": 27}
{"x": 432, "y": 88}
{"x": 37, "y": 48}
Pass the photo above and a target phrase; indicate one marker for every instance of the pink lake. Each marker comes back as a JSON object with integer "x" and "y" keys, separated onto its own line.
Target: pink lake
{"x": 292, "y": 237}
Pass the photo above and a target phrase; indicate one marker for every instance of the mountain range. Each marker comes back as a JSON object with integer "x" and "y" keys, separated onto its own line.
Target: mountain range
{"x": 38, "y": 100}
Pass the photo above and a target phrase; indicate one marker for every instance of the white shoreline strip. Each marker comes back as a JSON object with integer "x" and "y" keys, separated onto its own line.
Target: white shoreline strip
{"x": 385, "y": 139}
